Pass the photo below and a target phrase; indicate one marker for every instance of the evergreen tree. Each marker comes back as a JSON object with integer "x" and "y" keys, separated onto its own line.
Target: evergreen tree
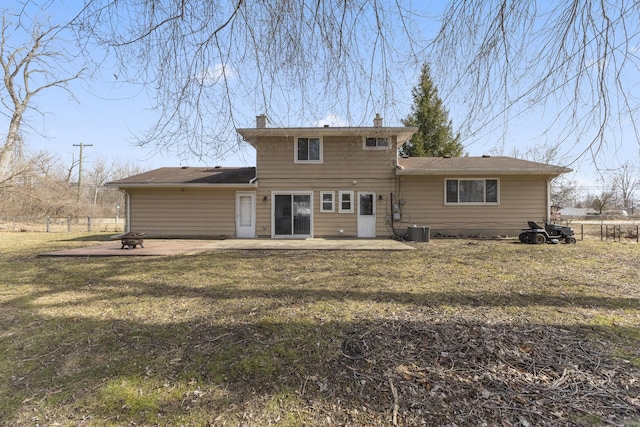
{"x": 434, "y": 137}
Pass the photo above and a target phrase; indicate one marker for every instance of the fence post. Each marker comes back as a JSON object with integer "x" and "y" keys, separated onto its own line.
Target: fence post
{"x": 581, "y": 231}
{"x": 68, "y": 224}
{"x": 89, "y": 224}
{"x": 48, "y": 223}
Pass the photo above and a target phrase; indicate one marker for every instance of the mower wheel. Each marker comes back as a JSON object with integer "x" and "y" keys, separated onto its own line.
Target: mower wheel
{"x": 523, "y": 237}
{"x": 539, "y": 239}
{"x": 571, "y": 240}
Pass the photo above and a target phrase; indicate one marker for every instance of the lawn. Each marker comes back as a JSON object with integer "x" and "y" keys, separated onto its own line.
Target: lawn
{"x": 457, "y": 332}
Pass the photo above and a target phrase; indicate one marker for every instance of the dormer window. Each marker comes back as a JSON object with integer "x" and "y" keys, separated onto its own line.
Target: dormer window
{"x": 376, "y": 143}
{"x": 308, "y": 150}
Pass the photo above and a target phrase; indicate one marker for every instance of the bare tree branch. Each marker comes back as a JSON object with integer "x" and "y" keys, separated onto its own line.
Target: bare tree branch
{"x": 27, "y": 69}
{"x": 574, "y": 58}
{"x": 213, "y": 65}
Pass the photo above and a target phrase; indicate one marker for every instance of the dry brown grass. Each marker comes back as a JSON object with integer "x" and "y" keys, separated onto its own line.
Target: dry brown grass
{"x": 454, "y": 333}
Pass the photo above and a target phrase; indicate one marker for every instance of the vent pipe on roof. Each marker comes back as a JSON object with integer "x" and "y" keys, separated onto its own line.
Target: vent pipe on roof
{"x": 261, "y": 121}
{"x": 377, "y": 121}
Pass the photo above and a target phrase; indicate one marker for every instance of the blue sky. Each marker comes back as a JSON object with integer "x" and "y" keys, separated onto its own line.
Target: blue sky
{"x": 107, "y": 113}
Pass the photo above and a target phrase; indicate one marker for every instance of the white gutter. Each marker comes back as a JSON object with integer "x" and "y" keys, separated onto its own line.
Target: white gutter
{"x": 128, "y": 204}
{"x": 548, "y": 200}
{"x": 473, "y": 172}
{"x": 183, "y": 185}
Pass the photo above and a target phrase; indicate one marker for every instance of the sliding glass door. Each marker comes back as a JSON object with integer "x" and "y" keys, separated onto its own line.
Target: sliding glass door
{"x": 292, "y": 214}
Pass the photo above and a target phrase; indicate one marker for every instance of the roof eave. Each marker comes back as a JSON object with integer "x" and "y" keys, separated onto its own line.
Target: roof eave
{"x": 474, "y": 172}
{"x": 179, "y": 185}
{"x": 251, "y": 135}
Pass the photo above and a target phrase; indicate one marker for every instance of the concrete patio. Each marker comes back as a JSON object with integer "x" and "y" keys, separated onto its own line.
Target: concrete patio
{"x": 167, "y": 247}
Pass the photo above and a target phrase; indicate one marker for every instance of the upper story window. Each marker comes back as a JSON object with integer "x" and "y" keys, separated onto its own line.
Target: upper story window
{"x": 308, "y": 150}
{"x": 471, "y": 191}
{"x": 376, "y": 143}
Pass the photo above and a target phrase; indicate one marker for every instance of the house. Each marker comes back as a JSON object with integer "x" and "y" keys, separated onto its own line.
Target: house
{"x": 339, "y": 182}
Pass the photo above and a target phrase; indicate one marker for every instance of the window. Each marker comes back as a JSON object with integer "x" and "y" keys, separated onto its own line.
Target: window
{"x": 471, "y": 191}
{"x": 308, "y": 150}
{"x": 375, "y": 143}
{"x": 326, "y": 201}
{"x": 346, "y": 202}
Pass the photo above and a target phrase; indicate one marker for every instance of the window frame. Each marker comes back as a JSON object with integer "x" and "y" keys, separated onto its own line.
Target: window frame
{"x": 351, "y": 195}
{"x": 484, "y": 195}
{"x": 377, "y": 146}
{"x": 320, "y": 149}
{"x": 333, "y": 201}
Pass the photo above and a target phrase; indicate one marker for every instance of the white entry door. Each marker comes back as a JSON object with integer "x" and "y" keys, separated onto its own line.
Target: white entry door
{"x": 366, "y": 214}
{"x": 245, "y": 215}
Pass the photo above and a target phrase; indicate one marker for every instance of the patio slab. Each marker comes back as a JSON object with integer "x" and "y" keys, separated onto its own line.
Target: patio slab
{"x": 167, "y": 247}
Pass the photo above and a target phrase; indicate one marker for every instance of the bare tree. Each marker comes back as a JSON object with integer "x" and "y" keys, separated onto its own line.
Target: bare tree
{"x": 294, "y": 60}
{"x": 574, "y": 60}
{"x": 27, "y": 69}
{"x": 564, "y": 192}
{"x": 105, "y": 199}
{"x": 626, "y": 181}
{"x": 605, "y": 197}
{"x": 40, "y": 189}
{"x": 99, "y": 174}
{"x": 204, "y": 62}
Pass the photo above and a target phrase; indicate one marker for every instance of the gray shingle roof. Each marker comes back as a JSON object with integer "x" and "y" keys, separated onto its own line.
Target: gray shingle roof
{"x": 476, "y": 165}
{"x": 169, "y": 176}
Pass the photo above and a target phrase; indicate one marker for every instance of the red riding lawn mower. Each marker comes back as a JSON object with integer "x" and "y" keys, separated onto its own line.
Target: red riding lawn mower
{"x": 550, "y": 233}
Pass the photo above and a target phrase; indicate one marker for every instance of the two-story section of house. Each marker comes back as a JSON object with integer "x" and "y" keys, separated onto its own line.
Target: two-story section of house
{"x": 326, "y": 181}
{"x": 339, "y": 182}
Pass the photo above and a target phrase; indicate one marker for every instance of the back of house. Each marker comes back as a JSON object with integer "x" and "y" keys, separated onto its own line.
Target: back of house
{"x": 339, "y": 182}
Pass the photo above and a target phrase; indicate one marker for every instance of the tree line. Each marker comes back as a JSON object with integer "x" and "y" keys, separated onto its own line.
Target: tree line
{"x": 46, "y": 186}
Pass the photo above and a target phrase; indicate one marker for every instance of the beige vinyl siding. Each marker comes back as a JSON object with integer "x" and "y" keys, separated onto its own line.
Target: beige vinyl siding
{"x": 344, "y": 161}
{"x": 185, "y": 212}
{"x": 344, "y": 158}
{"x": 522, "y": 198}
{"x": 326, "y": 223}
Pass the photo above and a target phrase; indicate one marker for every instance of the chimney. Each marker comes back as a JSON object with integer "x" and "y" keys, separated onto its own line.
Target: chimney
{"x": 377, "y": 121}
{"x": 261, "y": 121}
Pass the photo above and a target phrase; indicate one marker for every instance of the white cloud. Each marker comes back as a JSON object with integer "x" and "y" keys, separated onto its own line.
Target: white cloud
{"x": 331, "y": 120}
{"x": 214, "y": 74}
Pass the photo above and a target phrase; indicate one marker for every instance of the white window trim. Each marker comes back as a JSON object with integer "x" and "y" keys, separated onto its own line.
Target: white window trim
{"x": 351, "y": 194}
{"x": 333, "y": 201}
{"x": 275, "y": 193}
{"x": 496, "y": 203}
{"x": 377, "y": 147}
{"x": 295, "y": 150}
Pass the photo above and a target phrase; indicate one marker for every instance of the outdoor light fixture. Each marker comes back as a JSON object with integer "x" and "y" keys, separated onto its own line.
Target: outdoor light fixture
{"x": 264, "y": 199}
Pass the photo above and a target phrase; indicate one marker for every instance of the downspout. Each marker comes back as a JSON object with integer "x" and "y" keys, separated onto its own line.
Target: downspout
{"x": 128, "y": 204}
{"x": 548, "y": 220}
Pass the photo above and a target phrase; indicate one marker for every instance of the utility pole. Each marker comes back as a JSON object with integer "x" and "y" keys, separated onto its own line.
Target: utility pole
{"x": 81, "y": 145}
